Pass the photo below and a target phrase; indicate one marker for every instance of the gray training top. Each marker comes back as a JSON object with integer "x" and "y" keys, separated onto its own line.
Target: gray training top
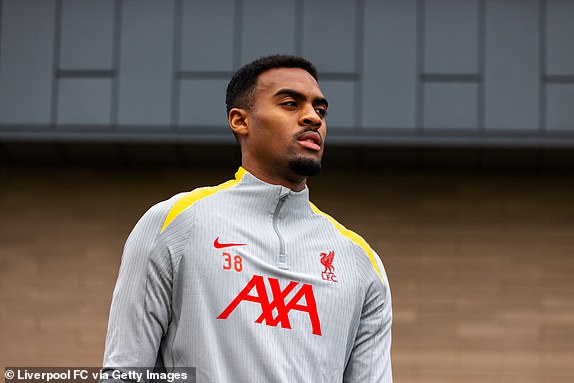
{"x": 250, "y": 282}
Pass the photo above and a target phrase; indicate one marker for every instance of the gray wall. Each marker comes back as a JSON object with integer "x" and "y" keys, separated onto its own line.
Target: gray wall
{"x": 446, "y": 72}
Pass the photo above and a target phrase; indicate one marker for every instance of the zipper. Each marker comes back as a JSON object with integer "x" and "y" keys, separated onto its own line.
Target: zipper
{"x": 282, "y": 259}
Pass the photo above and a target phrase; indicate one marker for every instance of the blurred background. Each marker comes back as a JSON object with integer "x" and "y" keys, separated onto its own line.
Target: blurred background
{"x": 450, "y": 149}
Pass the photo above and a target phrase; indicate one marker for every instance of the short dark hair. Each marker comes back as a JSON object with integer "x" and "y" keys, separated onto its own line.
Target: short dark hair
{"x": 241, "y": 86}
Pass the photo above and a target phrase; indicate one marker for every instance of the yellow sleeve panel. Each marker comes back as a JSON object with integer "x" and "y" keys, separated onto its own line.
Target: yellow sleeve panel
{"x": 197, "y": 194}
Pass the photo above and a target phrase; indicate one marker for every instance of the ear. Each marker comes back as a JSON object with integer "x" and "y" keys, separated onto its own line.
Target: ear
{"x": 238, "y": 122}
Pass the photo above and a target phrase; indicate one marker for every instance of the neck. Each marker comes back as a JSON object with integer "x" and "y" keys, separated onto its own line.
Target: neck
{"x": 289, "y": 179}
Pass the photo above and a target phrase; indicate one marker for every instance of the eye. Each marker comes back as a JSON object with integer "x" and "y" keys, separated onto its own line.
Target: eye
{"x": 290, "y": 104}
{"x": 321, "y": 112}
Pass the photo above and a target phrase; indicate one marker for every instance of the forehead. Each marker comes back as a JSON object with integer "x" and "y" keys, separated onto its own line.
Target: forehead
{"x": 296, "y": 79}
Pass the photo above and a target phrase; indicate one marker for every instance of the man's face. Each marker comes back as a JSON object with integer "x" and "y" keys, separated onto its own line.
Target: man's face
{"x": 287, "y": 125}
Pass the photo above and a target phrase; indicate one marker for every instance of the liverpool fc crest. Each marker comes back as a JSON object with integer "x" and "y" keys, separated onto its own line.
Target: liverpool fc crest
{"x": 327, "y": 261}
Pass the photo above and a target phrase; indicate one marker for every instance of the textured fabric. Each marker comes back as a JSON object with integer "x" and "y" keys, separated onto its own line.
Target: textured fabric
{"x": 248, "y": 282}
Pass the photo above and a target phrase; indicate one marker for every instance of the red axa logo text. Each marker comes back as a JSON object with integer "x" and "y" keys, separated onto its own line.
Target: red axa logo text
{"x": 303, "y": 301}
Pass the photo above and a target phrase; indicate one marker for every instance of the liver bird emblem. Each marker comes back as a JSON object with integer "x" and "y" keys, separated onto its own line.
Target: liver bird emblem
{"x": 327, "y": 261}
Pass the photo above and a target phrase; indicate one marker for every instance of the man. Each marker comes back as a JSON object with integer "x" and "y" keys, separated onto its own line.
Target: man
{"x": 248, "y": 281}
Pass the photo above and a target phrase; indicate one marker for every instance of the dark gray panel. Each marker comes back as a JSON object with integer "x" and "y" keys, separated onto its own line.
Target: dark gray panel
{"x": 341, "y": 96}
{"x": 202, "y": 102}
{"x": 512, "y": 67}
{"x": 207, "y": 35}
{"x": 559, "y": 37}
{"x": 87, "y": 34}
{"x": 451, "y": 36}
{"x": 390, "y": 73}
{"x": 84, "y": 101}
{"x": 450, "y": 106}
{"x": 268, "y": 28}
{"x": 26, "y": 61}
{"x": 146, "y": 65}
{"x": 329, "y": 34}
{"x": 144, "y": 99}
{"x": 560, "y": 107}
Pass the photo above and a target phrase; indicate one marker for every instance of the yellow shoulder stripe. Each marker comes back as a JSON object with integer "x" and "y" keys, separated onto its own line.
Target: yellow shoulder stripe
{"x": 352, "y": 236}
{"x": 195, "y": 195}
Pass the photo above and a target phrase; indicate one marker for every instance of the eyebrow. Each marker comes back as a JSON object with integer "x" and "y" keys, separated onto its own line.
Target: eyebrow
{"x": 300, "y": 96}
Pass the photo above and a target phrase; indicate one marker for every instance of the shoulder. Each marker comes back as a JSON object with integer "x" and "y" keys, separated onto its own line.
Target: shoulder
{"x": 184, "y": 201}
{"x": 366, "y": 258}
{"x": 164, "y": 214}
{"x": 151, "y": 222}
{"x": 159, "y": 228}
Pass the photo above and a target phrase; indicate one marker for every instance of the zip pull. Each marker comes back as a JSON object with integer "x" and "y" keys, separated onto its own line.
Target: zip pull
{"x": 282, "y": 257}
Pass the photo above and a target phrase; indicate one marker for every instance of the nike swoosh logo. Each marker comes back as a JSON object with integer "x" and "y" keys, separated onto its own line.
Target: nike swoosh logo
{"x": 224, "y": 245}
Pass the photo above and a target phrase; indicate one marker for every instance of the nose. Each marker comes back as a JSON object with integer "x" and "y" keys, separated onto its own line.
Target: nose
{"x": 309, "y": 117}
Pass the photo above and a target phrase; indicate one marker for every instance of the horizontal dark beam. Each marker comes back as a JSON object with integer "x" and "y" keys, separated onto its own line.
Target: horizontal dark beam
{"x": 558, "y": 79}
{"x": 85, "y": 73}
{"x": 450, "y": 78}
{"x": 336, "y": 137}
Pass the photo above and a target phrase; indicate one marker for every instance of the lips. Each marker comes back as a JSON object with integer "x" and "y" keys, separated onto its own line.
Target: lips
{"x": 311, "y": 140}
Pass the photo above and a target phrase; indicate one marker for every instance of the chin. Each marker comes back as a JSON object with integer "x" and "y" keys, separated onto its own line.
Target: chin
{"x": 305, "y": 166}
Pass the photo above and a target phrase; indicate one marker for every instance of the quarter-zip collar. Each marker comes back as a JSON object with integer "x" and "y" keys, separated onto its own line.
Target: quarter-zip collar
{"x": 277, "y": 201}
{"x": 266, "y": 196}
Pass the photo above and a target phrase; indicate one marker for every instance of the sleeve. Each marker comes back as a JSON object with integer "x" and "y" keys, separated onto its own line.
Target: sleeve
{"x": 370, "y": 359}
{"x": 141, "y": 302}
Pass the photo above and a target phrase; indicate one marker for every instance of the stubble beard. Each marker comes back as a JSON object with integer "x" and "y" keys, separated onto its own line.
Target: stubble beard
{"x": 305, "y": 167}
